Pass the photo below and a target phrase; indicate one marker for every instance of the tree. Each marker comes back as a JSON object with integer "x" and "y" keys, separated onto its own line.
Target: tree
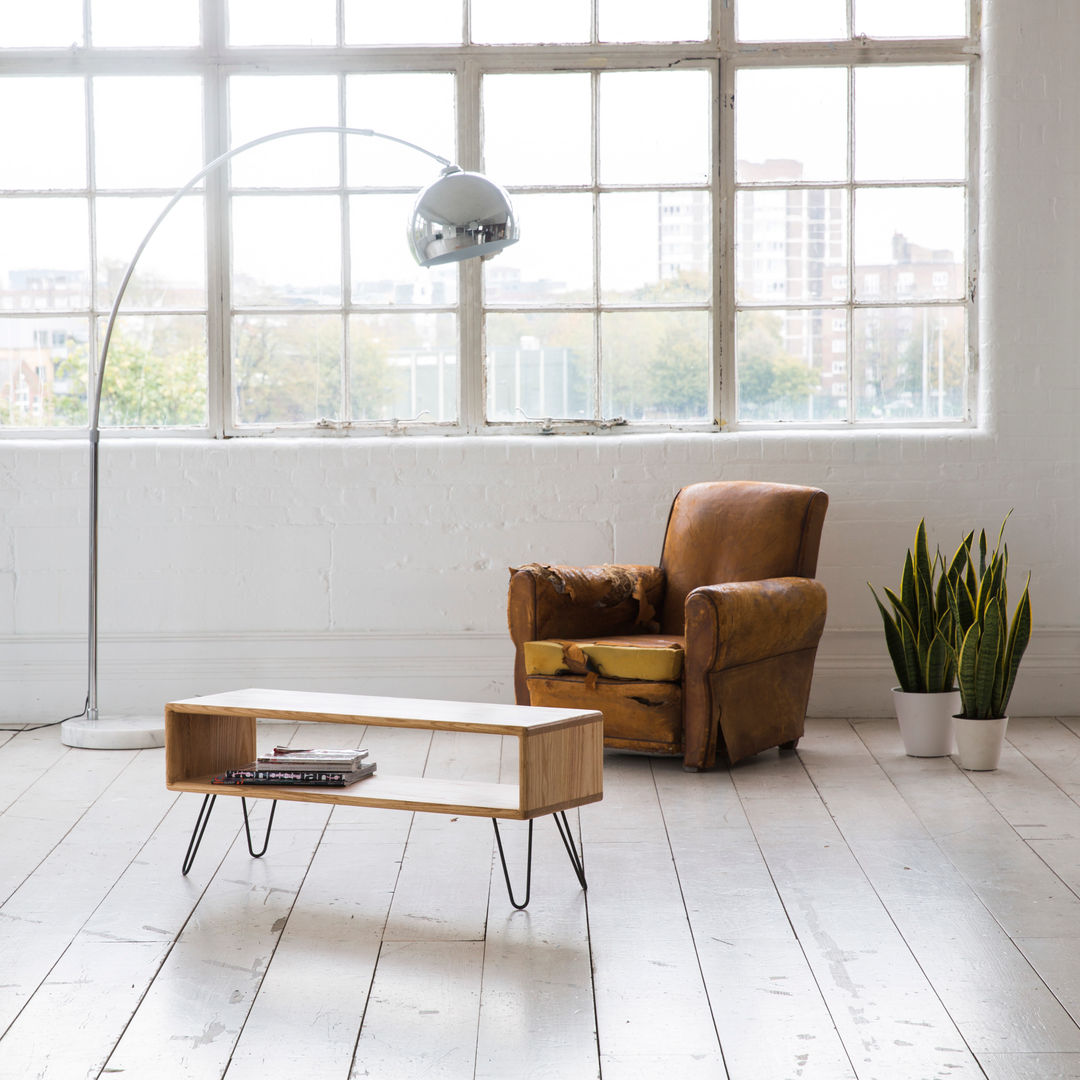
{"x": 159, "y": 381}
{"x": 773, "y": 384}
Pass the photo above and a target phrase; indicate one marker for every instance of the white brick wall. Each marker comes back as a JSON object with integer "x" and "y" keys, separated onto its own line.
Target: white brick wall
{"x": 380, "y": 564}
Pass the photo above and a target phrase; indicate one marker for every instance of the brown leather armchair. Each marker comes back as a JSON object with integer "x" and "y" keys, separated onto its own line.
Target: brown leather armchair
{"x": 710, "y": 652}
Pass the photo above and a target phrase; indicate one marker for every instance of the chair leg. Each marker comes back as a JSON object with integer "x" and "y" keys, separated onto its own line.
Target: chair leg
{"x": 789, "y": 745}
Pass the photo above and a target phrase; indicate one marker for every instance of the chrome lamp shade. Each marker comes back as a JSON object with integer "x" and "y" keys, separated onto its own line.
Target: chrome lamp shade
{"x": 460, "y": 215}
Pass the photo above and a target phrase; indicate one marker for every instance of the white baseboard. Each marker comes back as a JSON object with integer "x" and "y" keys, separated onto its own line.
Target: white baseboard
{"x": 43, "y": 677}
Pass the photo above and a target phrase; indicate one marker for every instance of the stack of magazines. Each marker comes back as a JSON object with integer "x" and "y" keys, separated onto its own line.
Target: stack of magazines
{"x": 311, "y": 768}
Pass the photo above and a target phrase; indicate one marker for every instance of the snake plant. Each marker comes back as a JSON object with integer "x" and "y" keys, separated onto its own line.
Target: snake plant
{"x": 989, "y": 649}
{"x": 921, "y": 628}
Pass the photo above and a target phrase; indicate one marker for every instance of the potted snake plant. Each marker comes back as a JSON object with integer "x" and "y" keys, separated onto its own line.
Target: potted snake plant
{"x": 921, "y": 625}
{"x": 988, "y": 654}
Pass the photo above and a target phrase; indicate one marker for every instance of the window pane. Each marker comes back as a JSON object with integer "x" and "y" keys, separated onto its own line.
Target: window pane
{"x": 286, "y": 250}
{"x": 261, "y": 105}
{"x": 674, "y": 20}
{"x": 912, "y": 18}
{"x": 155, "y": 375}
{"x": 910, "y": 123}
{"x": 536, "y": 129}
{"x": 553, "y": 260}
{"x": 136, "y": 22}
{"x": 403, "y": 367}
{"x": 44, "y": 147}
{"x": 42, "y": 370}
{"x": 539, "y": 366}
{"x": 287, "y": 368}
{"x": 282, "y": 22}
{"x": 791, "y": 244}
{"x": 655, "y": 365}
{"x": 171, "y": 272}
{"x": 655, "y": 247}
{"x": 383, "y": 269}
{"x": 791, "y": 124}
{"x": 784, "y": 365}
{"x": 654, "y": 127}
{"x": 417, "y": 107}
{"x": 406, "y": 22}
{"x": 148, "y": 130}
{"x": 909, "y": 243}
{"x": 495, "y": 22}
{"x": 791, "y": 20}
{"x": 45, "y": 254}
{"x": 42, "y": 24}
{"x": 909, "y": 363}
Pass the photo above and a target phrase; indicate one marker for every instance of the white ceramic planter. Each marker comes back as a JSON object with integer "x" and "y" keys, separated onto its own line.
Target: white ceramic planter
{"x": 978, "y": 743}
{"x": 926, "y": 721}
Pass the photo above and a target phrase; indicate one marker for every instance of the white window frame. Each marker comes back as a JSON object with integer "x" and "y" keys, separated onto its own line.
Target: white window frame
{"x": 859, "y": 51}
{"x": 723, "y": 56}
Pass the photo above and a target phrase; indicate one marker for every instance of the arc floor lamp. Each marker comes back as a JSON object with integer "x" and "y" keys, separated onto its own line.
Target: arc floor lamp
{"x": 460, "y": 215}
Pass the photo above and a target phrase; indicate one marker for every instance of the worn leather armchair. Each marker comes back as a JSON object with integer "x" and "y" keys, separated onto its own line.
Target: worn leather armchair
{"x": 711, "y": 652}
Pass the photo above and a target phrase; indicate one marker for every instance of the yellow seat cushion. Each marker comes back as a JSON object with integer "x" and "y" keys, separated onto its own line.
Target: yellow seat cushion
{"x": 645, "y": 657}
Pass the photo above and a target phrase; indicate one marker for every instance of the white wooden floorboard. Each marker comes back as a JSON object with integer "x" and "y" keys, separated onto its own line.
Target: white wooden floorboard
{"x": 1031, "y": 1066}
{"x": 24, "y": 760}
{"x": 421, "y": 1018}
{"x": 306, "y": 1018}
{"x": 991, "y": 985}
{"x": 100, "y": 979}
{"x": 73, "y": 1021}
{"x": 846, "y": 912}
{"x": 537, "y": 1019}
{"x": 39, "y": 920}
{"x": 34, "y": 823}
{"x": 193, "y": 1013}
{"x": 442, "y": 891}
{"x": 886, "y": 1010}
{"x": 769, "y": 1011}
{"x": 652, "y": 1009}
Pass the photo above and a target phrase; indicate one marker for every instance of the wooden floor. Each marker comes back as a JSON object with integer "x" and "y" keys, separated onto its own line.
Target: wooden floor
{"x": 839, "y": 912}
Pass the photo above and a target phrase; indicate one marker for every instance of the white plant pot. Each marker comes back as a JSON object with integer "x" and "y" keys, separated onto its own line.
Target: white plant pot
{"x": 978, "y": 743}
{"x": 926, "y": 721}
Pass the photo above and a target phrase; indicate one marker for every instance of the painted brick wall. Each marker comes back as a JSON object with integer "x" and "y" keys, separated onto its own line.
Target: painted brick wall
{"x": 380, "y": 565}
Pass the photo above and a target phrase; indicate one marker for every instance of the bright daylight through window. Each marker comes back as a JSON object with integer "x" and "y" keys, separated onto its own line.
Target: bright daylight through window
{"x": 731, "y": 214}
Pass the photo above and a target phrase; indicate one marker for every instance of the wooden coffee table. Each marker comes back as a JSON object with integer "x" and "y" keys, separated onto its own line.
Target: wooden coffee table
{"x": 560, "y": 759}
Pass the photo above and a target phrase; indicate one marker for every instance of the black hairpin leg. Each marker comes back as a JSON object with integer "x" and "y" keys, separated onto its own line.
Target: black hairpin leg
{"x": 506, "y": 873}
{"x": 247, "y": 829}
{"x": 197, "y": 834}
{"x": 568, "y": 842}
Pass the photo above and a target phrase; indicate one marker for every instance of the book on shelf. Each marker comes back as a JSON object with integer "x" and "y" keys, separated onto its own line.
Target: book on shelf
{"x": 284, "y": 757}
{"x": 256, "y": 773}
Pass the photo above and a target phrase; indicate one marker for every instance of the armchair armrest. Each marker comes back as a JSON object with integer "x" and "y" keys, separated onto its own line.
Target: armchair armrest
{"x": 571, "y": 602}
{"x": 750, "y": 648}
{"x": 740, "y": 622}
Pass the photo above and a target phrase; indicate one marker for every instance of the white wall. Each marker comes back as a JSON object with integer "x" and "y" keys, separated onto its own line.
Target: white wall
{"x": 380, "y": 565}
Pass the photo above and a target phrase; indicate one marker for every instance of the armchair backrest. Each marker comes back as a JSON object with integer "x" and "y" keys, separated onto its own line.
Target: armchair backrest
{"x": 737, "y": 531}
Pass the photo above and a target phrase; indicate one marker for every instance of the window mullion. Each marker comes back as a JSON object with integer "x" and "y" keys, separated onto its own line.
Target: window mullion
{"x": 850, "y": 333}
{"x": 471, "y": 375}
{"x": 218, "y": 299}
{"x": 723, "y": 239}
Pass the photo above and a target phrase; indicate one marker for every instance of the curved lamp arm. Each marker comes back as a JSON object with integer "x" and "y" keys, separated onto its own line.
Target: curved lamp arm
{"x": 460, "y": 215}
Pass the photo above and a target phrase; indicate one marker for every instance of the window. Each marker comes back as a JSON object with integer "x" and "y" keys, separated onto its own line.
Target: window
{"x": 867, "y": 146}
{"x": 818, "y": 150}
